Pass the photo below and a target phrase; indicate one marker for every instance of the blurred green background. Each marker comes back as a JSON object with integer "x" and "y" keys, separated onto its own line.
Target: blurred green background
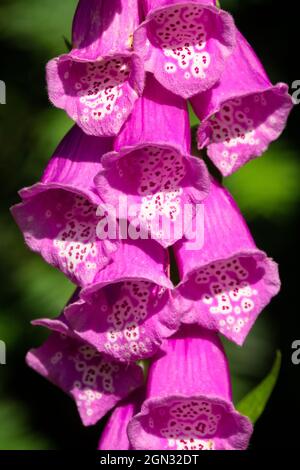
{"x": 267, "y": 190}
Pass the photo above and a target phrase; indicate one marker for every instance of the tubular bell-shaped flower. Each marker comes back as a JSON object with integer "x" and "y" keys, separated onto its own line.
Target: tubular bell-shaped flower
{"x": 95, "y": 382}
{"x": 226, "y": 284}
{"x": 58, "y": 215}
{"x": 185, "y": 43}
{"x": 128, "y": 309}
{"x": 243, "y": 113}
{"x": 99, "y": 80}
{"x": 152, "y": 168}
{"x": 114, "y": 435}
{"x": 188, "y": 400}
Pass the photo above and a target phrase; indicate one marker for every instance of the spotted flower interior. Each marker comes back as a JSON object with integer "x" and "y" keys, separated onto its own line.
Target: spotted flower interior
{"x": 98, "y": 94}
{"x": 185, "y": 423}
{"x": 228, "y": 295}
{"x": 243, "y": 128}
{"x": 61, "y": 226}
{"x": 126, "y": 320}
{"x": 182, "y": 34}
{"x": 95, "y": 383}
{"x": 186, "y": 46}
{"x": 158, "y": 182}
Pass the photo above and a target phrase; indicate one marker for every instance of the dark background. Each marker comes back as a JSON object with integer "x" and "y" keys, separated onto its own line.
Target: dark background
{"x": 33, "y": 413}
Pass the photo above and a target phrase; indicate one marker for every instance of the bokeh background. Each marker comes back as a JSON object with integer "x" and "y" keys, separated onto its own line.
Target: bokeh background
{"x": 33, "y": 413}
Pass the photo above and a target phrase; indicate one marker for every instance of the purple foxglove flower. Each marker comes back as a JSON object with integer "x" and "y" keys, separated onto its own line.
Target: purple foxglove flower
{"x": 98, "y": 82}
{"x": 152, "y": 169}
{"x": 188, "y": 400}
{"x": 128, "y": 310}
{"x": 185, "y": 43}
{"x": 226, "y": 284}
{"x": 114, "y": 436}
{"x": 58, "y": 214}
{"x": 243, "y": 113}
{"x": 95, "y": 382}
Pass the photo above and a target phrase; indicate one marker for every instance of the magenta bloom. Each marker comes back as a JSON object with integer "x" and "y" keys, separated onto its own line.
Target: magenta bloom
{"x": 98, "y": 82}
{"x": 58, "y": 215}
{"x": 188, "y": 401}
{"x": 226, "y": 284}
{"x": 243, "y": 113}
{"x": 128, "y": 309}
{"x": 95, "y": 382}
{"x": 121, "y": 189}
{"x": 114, "y": 436}
{"x": 185, "y": 43}
{"x": 152, "y": 168}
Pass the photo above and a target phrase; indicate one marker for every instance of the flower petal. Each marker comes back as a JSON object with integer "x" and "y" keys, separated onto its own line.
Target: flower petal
{"x": 151, "y": 169}
{"x": 98, "y": 82}
{"x": 243, "y": 113}
{"x": 114, "y": 436}
{"x": 188, "y": 404}
{"x": 185, "y": 44}
{"x": 58, "y": 215}
{"x": 227, "y": 283}
{"x": 96, "y": 383}
{"x": 129, "y": 309}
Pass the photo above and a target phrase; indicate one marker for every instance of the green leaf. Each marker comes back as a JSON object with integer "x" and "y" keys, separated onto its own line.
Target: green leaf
{"x": 68, "y": 43}
{"x": 254, "y": 403}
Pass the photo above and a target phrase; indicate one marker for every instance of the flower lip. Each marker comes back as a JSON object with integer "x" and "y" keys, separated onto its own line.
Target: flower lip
{"x": 60, "y": 224}
{"x": 141, "y": 260}
{"x": 134, "y": 71}
{"x": 128, "y": 309}
{"x": 228, "y": 281}
{"x": 95, "y": 382}
{"x": 91, "y": 289}
{"x": 152, "y": 168}
{"x": 98, "y": 93}
{"x": 126, "y": 320}
{"x": 58, "y": 215}
{"x": 195, "y": 165}
{"x": 223, "y": 141}
{"x": 191, "y": 63}
{"x": 41, "y": 187}
{"x": 189, "y": 422}
{"x": 239, "y": 118}
{"x": 113, "y": 156}
{"x": 160, "y": 182}
{"x": 226, "y": 295}
{"x": 257, "y": 254}
{"x": 280, "y": 89}
{"x": 99, "y": 80}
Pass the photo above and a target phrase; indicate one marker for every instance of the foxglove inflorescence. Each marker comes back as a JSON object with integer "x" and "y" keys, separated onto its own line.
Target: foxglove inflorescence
{"x": 123, "y": 192}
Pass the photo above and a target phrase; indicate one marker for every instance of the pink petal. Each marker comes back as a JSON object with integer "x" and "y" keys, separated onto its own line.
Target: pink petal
{"x": 243, "y": 113}
{"x": 114, "y": 436}
{"x": 185, "y": 44}
{"x": 151, "y": 168}
{"x": 58, "y": 215}
{"x": 228, "y": 282}
{"x": 95, "y": 382}
{"x": 188, "y": 401}
{"x": 98, "y": 82}
{"x": 128, "y": 310}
